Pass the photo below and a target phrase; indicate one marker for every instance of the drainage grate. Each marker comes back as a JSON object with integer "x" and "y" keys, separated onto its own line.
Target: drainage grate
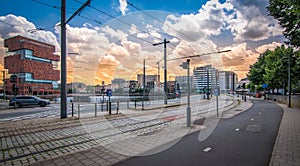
{"x": 254, "y": 128}
{"x": 238, "y": 110}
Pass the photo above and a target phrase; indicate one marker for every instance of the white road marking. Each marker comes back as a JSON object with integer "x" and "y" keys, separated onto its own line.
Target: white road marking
{"x": 207, "y": 149}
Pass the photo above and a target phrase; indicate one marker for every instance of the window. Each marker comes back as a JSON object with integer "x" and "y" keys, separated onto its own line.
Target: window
{"x": 28, "y": 54}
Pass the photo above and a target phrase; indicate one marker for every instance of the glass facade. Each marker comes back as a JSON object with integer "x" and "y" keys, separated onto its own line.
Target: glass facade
{"x": 27, "y": 77}
{"x": 28, "y": 54}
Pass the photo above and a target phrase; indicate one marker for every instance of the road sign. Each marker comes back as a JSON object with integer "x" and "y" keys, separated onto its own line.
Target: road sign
{"x": 264, "y": 85}
{"x": 109, "y": 92}
{"x": 216, "y": 90}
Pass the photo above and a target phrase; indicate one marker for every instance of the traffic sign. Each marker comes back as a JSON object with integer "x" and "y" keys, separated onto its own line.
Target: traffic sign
{"x": 264, "y": 85}
{"x": 217, "y": 91}
{"x": 109, "y": 92}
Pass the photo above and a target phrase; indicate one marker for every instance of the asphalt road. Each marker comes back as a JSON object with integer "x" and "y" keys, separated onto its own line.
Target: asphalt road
{"x": 244, "y": 140}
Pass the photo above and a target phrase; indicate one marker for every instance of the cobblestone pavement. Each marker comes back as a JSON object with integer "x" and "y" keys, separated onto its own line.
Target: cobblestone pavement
{"x": 95, "y": 140}
{"x": 287, "y": 146}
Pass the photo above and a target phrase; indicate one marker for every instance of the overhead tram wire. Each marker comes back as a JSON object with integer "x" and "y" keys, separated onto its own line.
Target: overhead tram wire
{"x": 93, "y": 20}
{"x": 56, "y": 7}
{"x": 121, "y": 22}
{"x": 193, "y": 56}
{"x": 129, "y": 3}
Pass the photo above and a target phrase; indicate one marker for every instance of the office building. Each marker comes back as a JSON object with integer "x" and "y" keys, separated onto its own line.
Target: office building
{"x": 33, "y": 64}
{"x": 205, "y": 77}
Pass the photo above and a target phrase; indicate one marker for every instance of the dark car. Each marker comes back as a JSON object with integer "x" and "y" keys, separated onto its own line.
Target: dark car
{"x": 28, "y": 100}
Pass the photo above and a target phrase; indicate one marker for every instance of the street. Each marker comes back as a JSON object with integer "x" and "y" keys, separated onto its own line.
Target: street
{"x": 246, "y": 139}
{"x": 131, "y": 129}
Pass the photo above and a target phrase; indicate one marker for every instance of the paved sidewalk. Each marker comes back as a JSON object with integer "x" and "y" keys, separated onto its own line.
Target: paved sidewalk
{"x": 286, "y": 150}
{"x": 52, "y": 141}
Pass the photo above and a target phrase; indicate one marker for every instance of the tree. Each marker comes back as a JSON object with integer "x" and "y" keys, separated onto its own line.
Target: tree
{"x": 287, "y": 12}
{"x": 272, "y": 68}
{"x": 277, "y": 68}
{"x": 257, "y": 70}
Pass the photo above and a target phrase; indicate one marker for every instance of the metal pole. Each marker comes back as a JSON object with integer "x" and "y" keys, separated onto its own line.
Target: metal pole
{"x": 4, "y": 95}
{"x": 144, "y": 83}
{"x": 118, "y": 106}
{"x": 290, "y": 87}
{"x": 165, "y": 71}
{"x": 158, "y": 77}
{"x": 72, "y": 109}
{"x": 207, "y": 81}
{"x": 165, "y": 67}
{"x": 188, "y": 109}
{"x": 95, "y": 109}
{"x": 63, "y": 92}
{"x": 78, "y": 111}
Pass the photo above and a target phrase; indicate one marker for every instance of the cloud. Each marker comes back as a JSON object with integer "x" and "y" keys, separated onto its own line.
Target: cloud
{"x": 123, "y": 6}
{"x": 117, "y": 51}
{"x": 112, "y": 33}
{"x": 210, "y": 20}
{"x": 132, "y": 47}
{"x": 12, "y": 25}
{"x": 271, "y": 46}
{"x": 252, "y": 23}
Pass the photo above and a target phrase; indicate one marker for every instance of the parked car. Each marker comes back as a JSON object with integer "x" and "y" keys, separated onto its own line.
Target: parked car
{"x": 28, "y": 100}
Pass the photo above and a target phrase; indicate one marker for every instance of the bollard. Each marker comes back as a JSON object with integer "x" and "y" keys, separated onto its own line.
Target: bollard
{"x": 118, "y": 106}
{"x": 109, "y": 108}
{"x": 134, "y": 104}
{"x": 78, "y": 111}
{"x": 102, "y": 102}
{"x": 95, "y": 109}
{"x": 127, "y": 104}
{"x": 72, "y": 109}
{"x": 106, "y": 106}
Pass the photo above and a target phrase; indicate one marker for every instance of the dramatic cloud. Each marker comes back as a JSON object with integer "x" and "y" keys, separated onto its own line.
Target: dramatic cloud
{"x": 210, "y": 20}
{"x": 12, "y": 25}
{"x": 101, "y": 53}
{"x": 252, "y": 23}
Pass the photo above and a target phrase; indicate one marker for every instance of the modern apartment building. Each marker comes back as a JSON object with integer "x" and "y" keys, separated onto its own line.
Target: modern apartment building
{"x": 32, "y": 62}
{"x": 204, "y": 77}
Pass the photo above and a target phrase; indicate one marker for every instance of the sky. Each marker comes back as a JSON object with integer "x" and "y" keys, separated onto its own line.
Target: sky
{"x": 111, "y": 38}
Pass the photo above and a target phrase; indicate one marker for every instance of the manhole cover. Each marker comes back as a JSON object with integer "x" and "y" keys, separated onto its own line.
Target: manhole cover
{"x": 254, "y": 128}
{"x": 199, "y": 121}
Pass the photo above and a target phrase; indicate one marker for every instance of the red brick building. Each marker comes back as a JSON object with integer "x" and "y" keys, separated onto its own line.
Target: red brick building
{"x": 33, "y": 63}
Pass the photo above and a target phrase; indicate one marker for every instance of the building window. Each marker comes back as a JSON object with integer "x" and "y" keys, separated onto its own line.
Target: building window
{"x": 28, "y": 54}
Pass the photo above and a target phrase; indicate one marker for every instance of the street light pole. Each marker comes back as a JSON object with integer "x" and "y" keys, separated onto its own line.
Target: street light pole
{"x": 165, "y": 67}
{"x": 144, "y": 83}
{"x": 188, "y": 109}
{"x": 63, "y": 71}
{"x": 63, "y": 92}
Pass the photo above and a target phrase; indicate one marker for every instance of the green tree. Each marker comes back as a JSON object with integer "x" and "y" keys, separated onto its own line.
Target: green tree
{"x": 287, "y": 12}
{"x": 277, "y": 68}
{"x": 257, "y": 71}
{"x": 272, "y": 68}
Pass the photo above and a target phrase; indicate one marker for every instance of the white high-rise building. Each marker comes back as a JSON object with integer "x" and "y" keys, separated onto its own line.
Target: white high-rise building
{"x": 204, "y": 77}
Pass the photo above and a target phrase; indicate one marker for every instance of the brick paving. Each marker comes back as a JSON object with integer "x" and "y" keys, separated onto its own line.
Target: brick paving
{"x": 53, "y": 141}
{"x": 286, "y": 150}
